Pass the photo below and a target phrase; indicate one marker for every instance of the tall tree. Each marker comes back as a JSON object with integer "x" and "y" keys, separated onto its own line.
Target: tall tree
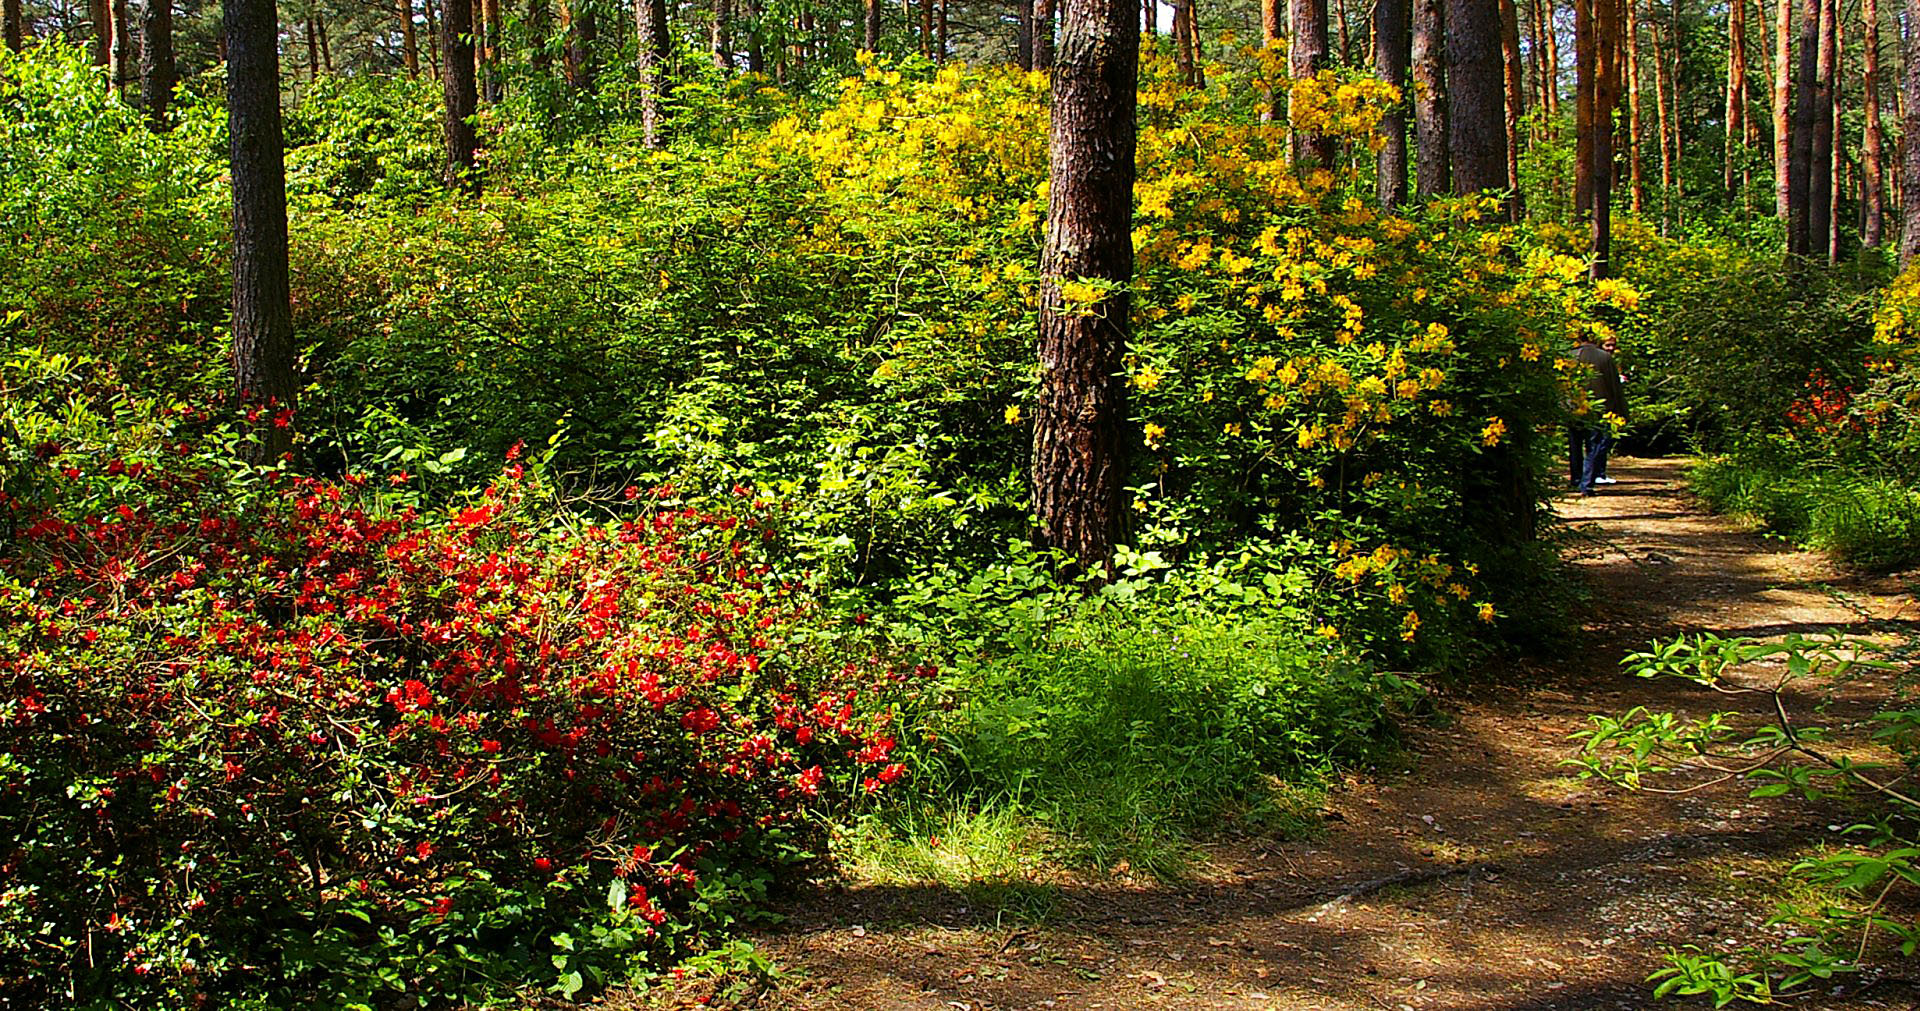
{"x": 1636, "y": 167}
{"x": 158, "y": 72}
{"x": 457, "y": 82}
{"x": 124, "y": 53}
{"x": 1392, "y": 52}
{"x": 410, "y": 39}
{"x": 263, "y": 357}
{"x": 1516, "y": 94}
{"x": 100, "y": 16}
{"x": 1583, "y": 106}
{"x": 650, "y": 29}
{"x": 1736, "y": 106}
{"x": 1819, "y": 163}
{"x": 1476, "y": 96}
{"x": 1079, "y": 464}
{"x": 1910, "y": 130}
{"x": 1872, "y": 185}
{"x": 1042, "y": 34}
{"x": 1272, "y": 35}
{"x": 1782, "y": 110}
{"x": 871, "y": 40}
{"x": 1023, "y": 34}
{"x": 1306, "y": 57}
{"x": 722, "y": 34}
{"x": 582, "y": 32}
{"x": 1183, "y": 55}
{"x": 1429, "y": 99}
{"x": 12, "y": 31}
{"x": 539, "y": 22}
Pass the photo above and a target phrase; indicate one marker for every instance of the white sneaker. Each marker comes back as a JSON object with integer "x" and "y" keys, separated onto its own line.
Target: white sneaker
{"x": 1605, "y": 480}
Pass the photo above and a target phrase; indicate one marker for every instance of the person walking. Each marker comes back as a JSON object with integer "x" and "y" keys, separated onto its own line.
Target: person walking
{"x": 1604, "y": 397}
{"x": 1611, "y": 346}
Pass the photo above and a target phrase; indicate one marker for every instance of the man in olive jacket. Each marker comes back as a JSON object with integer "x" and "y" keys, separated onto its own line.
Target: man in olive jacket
{"x": 1604, "y": 397}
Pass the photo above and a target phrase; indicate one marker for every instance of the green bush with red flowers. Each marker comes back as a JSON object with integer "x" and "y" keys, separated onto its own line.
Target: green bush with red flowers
{"x": 311, "y": 742}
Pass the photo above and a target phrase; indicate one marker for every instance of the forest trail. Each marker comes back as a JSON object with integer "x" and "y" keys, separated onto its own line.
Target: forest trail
{"x": 1484, "y": 878}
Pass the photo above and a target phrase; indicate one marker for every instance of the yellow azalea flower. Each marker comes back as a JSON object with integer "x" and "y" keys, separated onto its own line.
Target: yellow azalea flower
{"x": 1154, "y": 433}
{"x": 1490, "y": 435}
{"x": 1013, "y": 415}
{"x": 1486, "y": 612}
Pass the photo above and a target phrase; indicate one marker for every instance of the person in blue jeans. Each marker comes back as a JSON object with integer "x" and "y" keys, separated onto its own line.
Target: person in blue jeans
{"x": 1594, "y": 437}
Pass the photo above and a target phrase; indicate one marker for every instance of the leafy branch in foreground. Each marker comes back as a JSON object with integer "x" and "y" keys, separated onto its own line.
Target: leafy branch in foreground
{"x": 1781, "y": 756}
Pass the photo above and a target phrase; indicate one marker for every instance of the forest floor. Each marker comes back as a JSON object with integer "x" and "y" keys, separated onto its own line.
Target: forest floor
{"x": 1482, "y": 877}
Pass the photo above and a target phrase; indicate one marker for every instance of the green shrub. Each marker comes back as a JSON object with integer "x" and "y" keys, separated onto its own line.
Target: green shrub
{"x": 1869, "y": 522}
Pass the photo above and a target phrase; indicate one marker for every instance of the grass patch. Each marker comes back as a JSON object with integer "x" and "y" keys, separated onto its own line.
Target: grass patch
{"x": 1867, "y": 522}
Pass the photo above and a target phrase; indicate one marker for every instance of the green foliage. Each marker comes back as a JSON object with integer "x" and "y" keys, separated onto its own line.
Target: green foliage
{"x": 358, "y": 141}
{"x": 1781, "y": 756}
{"x": 1870, "y": 522}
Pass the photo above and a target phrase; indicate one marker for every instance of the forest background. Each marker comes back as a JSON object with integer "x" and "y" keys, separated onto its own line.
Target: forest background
{"x": 628, "y": 498}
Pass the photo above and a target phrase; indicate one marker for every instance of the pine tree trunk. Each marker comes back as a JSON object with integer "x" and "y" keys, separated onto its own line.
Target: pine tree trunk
{"x": 1023, "y": 34}
{"x": 1079, "y": 463}
{"x": 1827, "y": 188}
{"x": 872, "y": 37}
{"x": 1782, "y": 111}
{"x": 1307, "y": 57}
{"x": 124, "y": 53}
{"x": 263, "y": 356}
{"x": 1183, "y": 41}
{"x": 100, "y": 17}
{"x": 1193, "y": 39}
{"x": 1799, "y": 170}
{"x": 313, "y": 51}
{"x": 1392, "y": 52}
{"x": 1516, "y": 95}
{"x": 1273, "y": 34}
{"x": 1636, "y": 168}
{"x": 1429, "y": 99}
{"x": 1872, "y": 182}
{"x": 1584, "y": 52}
{"x": 539, "y": 22}
{"x": 1476, "y": 130}
{"x": 410, "y": 40}
{"x": 722, "y": 34}
{"x": 650, "y": 29}
{"x": 1042, "y": 34}
{"x": 940, "y": 37}
{"x": 1340, "y": 24}
{"x": 1736, "y": 111}
{"x": 456, "y": 46}
{"x": 1910, "y": 135}
{"x": 926, "y": 28}
{"x": 326, "y": 47}
{"x": 1606, "y": 92}
{"x": 1819, "y": 183}
{"x": 12, "y": 27}
{"x": 1553, "y": 57}
{"x": 158, "y": 71}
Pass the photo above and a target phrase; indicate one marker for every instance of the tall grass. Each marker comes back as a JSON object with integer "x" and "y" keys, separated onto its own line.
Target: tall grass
{"x": 1868, "y": 522}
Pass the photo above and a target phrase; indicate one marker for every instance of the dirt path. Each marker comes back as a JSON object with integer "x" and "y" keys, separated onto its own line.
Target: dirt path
{"x": 1486, "y": 878}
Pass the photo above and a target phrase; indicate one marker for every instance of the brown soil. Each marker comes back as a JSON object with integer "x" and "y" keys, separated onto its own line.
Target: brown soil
{"x": 1484, "y": 878}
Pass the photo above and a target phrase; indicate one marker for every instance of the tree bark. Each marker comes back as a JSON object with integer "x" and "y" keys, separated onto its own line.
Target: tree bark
{"x": 1079, "y": 463}
{"x": 124, "y": 54}
{"x": 871, "y": 41}
{"x": 100, "y": 16}
{"x": 1476, "y": 129}
{"x": 12, "y": 26}
{"x": 1516, "y": 97}
{"x": 1272, "y": 34}
{"x": 1429, "y": 99}
{"x": 1828, "y": 236}
{"x": 1042, "y": 35}
{"x": 722, "y": 34}
{"x": 1872, "y": 184}
{"x": 1392, "y": 53}
{"x": 539, "y": 17}
{"x": 650, "y": 29}
{"x": 263, "y": 356}
{"x": 1736, "y": 111}
{"x": 456, "y": 46}
{"x": 158, "y": 70}
{"x": 1584, "y": 50}
{"x": 1910, "y": 135}
{"x": 1183, "y": 41}
{"x": 1553, "y": 58}
{"x": 1306, "y": 57}
{"x": 1023, "y": 34}
{"x": 1606, "y": 97}
{"x": 1799, "y": 169}
{"x": 1783, "y": 107}
{"x": 1636, "y": 168}
{"x": 313, "y": 51}
{"x": 491, "y": 84}
{"x": 1819, "y": 164}
{"x": 926, "y": 28}
{"x": 1193, "y": 42}
{"x": 410, "y": 39}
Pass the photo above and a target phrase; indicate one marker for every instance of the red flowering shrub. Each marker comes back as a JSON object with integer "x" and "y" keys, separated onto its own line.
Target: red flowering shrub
{"x": 305, "y": 740}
